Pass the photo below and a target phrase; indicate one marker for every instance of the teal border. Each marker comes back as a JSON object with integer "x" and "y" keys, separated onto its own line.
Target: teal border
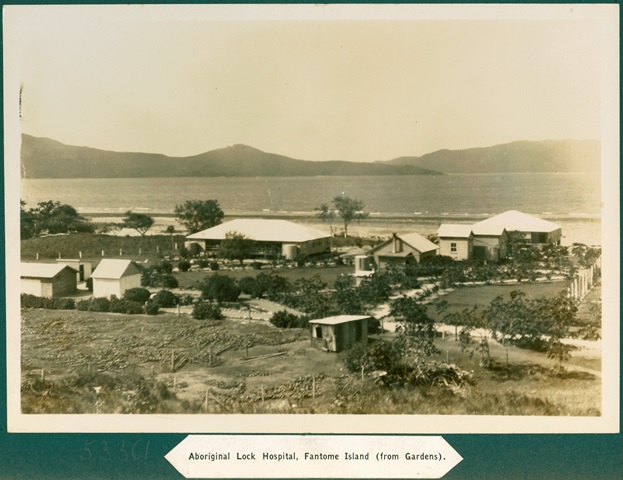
{"x": 496, "y": 457}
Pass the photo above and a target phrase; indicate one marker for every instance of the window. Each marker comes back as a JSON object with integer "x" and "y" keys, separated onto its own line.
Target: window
{"x": 453, "y": 247}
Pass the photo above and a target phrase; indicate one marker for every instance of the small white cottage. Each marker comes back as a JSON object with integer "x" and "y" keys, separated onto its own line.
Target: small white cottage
{"x": 114, "y": 277}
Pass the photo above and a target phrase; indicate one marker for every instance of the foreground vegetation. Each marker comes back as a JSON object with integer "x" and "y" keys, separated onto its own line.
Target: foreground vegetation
{"x": 167, "y": 364}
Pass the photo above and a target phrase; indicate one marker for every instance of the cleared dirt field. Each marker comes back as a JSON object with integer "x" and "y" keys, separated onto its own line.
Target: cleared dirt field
{"x": 177, "y": 364}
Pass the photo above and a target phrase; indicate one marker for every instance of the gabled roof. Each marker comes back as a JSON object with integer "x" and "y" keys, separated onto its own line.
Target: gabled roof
{"x": 453, "y": 230}
{"x": 42, "y": 270}
{"x": 110, "y": 268}
{"x": 339, "y": 319}
{"x": 514, "y": 220}
{"x": 414, "y": 240}
{"x": 261, "y": 230}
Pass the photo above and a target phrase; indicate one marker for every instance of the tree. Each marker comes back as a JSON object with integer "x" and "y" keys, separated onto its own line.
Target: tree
{"x": 236, "y": 246}
{"x": 219, "y": 288}
{"x": 138, "y": 221}
{"x": 170, "y": 230}
{"x": 52, "y": 217}
{"x": 324, "y": 213}
{"x": 197, "y": 215}
{"x": 349, "y": 209}
{"x": 416, "y": 332}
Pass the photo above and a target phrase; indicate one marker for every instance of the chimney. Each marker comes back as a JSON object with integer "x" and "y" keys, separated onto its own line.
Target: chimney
{"x": 396, "y": 244}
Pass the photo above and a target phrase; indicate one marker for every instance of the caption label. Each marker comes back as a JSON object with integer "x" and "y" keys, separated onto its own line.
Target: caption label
{"x": 313, "y": 456}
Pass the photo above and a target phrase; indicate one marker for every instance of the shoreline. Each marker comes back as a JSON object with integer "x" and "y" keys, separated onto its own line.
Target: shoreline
{"x": 585, "y": 230}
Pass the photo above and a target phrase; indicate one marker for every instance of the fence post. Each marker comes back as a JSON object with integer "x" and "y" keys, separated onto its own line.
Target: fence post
{"x": 262, "y": 395}
{"x": 314, "y": 387}
{"x": 37, "y": 256}
{"x": 121, "y": 252}
{"x": 103, "y": 253}
{"x": 173, "y": 360}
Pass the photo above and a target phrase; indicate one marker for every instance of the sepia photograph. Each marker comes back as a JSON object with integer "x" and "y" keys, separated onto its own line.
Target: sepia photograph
{"x": 312, "y": 218}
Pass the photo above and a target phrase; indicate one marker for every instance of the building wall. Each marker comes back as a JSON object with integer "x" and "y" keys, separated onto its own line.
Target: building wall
{"x": 336, "y": 338}
{"x": 495, "y": 246}
{"x": 130, "y": 281}
{"x": 463, "y": 248}
{"x": 31, "y": 286}
{"x": 106, "y": 287}
{"x": 63, "y": 284}
{"x": 313, "y": 247}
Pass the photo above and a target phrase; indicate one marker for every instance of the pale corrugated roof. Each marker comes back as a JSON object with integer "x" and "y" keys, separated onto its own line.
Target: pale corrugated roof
{"x": 42, "y": 270}
{"x": 113, "y": 268}
{"x": 417, "y": 241}
{"x": 261, "y": 230}
{"x": 339, "y": 319}
{"x": 453, "y": 230}
{"x": 488, "y": 230}
{"x": 514, "y": 220}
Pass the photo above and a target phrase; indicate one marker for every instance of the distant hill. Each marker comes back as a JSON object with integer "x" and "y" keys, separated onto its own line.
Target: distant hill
{"x": 46, "y": 158}
{"x": 515, "y": 157}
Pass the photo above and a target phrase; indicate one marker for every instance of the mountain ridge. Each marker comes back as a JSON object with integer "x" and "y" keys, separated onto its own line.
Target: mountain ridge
{"x": 48, "y": 158}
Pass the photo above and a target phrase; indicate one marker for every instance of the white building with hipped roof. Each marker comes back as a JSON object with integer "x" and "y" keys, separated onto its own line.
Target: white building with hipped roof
{"x": 534, "y": 229}
{"x": 271, "y": 238}
{"x": 47, "y": 279}
{"x": 114, "y": 277}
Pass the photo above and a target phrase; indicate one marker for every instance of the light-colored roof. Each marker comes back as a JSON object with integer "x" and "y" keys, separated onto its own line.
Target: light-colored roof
{"x": 415, "y": 240}
{"x": 514, "y": 220}
{"x": 112, "y": 268}
{"x": 488, "y": 230}
{"x": 339, "y": 319}
{"x": 261, "y": 230}
{"x": 453, "y": 230}
{"x": 42, "y": 270}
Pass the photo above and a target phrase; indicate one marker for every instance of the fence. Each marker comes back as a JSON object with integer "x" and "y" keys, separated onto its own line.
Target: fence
{"x": 584, "y": 280}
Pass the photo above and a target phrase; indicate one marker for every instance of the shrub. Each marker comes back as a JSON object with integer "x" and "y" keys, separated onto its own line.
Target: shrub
{"x": 33, "y": 301}
{"x": 101, "y": 304}
{"x": 165, "y": 299}
{"x": 249, "y": 286}
{"x": 213, "y": 266}
{"x": 183, "y": 265}
{"x": 256, "y": 265}
{"x": 138, "y": 294}
{"x": 219, "y": 288}
{"x": 374, "y": 326}
{"x": 151, "y": 307}
{"x": 128, "y": 307}
{"x": 164, "y": 267}
{"x": 203, "y": 263}
{"x": 83, "y": 305}
{"x": 185, "y": 299}
{"x": 207, "y": 311}
{"x": 168, "y": 281}
{"x": 89, "y": 284}
{"x": 284, "y": 319}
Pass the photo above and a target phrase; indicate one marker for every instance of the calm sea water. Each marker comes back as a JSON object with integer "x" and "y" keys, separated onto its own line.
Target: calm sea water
{"x": 569, "y": 198}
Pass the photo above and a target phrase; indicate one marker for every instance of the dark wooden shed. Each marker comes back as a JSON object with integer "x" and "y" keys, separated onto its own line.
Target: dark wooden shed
{"x": 338, "y": 333}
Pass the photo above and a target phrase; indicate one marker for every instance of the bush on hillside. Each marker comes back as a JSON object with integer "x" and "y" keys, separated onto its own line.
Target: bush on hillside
{"x": 165, "y": 299}
{"x": 219, "y": 288}
{"x": 207, "y": 311}
{"x": 284, "y": 319}
{"x": 151, "y": 307}
{"x": 33, "y": 301}
{"x": 183, "y": 265}
{"x": 128, "y": 307}
{"x": 138, "y": 294}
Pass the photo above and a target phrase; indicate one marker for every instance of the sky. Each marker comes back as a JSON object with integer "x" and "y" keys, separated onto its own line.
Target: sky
{"x": 313, "y": 85}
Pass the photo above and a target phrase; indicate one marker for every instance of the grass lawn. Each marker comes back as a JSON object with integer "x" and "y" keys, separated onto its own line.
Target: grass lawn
{"x": 326, "y": 274}
{"x": 481, "y": 295}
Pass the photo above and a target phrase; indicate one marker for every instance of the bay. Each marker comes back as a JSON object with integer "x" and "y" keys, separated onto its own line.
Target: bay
{"x": 571, "y": 199}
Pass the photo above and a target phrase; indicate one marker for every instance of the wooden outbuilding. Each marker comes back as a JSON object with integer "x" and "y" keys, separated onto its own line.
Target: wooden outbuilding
{"x": 490, "y": 242}
{"x": 47, "y": 279}
{"x": 334, "y": 334}
{"x": 82, "y": 266}
{"x": 114, "y": 277}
